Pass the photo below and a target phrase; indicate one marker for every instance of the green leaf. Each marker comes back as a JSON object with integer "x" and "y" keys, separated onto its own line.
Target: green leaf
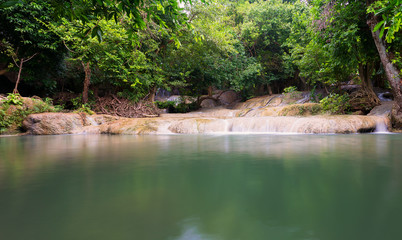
{"x": 99, "y": 34}
{"x": 382, "y": 32}
{"x": 378, "y": 26}
{"x": 9, "y": 4}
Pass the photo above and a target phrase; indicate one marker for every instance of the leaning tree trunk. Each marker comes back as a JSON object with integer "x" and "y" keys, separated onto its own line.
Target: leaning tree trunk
{"x": 87, "y": 81}
{"x": 390, "y": 70}
{"x": 18, "y": 77}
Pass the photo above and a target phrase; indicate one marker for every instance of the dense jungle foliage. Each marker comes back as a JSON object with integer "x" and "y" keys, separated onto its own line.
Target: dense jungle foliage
{"x": 82, "y": 50}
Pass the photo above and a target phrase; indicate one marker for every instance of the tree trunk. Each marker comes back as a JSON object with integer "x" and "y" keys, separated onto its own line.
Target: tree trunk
{"x": 367, "y": 86}
{"x": 269, "y": 89}
{"x": 19, "y": 76}
{"x": 87, "y": 81}
{"x": 210, "y": 91}
{"x": 391, "y": 71}
{"x": 152, "y": 93}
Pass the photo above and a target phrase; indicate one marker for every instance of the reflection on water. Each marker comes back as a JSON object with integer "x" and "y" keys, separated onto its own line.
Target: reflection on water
{"x": 201, "y": 187}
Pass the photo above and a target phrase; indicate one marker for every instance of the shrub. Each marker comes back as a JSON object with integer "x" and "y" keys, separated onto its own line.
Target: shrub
{"x": 85, "y": 108}
{"x": 13, "y": 99}
{"x": 290, "y": 89}
{"x": 165, "y": 105}
{"x": 335, "y": 103}
{"x": 14, "y": 110}
{"x": 174, "y": 107}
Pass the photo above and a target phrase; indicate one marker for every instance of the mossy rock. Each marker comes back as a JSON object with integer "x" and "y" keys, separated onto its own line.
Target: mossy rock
{"x": 292, "y": 97}
{"x": 306, "y": 109}
{"x": 12, "y": 115}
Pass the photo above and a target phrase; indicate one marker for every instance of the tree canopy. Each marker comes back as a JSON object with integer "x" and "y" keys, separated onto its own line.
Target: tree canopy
{"x": 132, "y": 48}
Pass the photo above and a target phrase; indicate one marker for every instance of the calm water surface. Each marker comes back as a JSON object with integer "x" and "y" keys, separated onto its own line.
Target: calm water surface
{"x": 234, "y": 187}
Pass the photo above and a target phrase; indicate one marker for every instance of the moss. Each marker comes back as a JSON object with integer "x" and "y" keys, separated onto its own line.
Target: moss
{"x": 301, "y": 110}
{"x": 142, "y": 127}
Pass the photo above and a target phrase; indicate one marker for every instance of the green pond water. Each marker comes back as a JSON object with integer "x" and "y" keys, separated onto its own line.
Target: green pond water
{"x": 243, "y": 187}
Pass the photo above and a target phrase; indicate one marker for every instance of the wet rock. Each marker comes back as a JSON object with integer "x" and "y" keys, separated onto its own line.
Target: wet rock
{"x": 313, "y": 124}
{"x": 53, "y": 123}
{"x": 63, "y": 123}
{"x": 396, "y": 117}
{"x": 263, "y": 101}
{"x": 382, "y": 110}
{"x": 259, "y": 118}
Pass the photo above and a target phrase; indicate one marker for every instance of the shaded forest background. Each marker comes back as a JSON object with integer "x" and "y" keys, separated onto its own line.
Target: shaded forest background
{"x": 79, "y": 51}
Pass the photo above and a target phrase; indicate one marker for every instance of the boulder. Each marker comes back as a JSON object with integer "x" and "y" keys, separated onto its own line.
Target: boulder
{"x": 209, "y": 103}
{"x": 53, "y": 123}
{"x": 382, "y": 110}
{"x": 228, "y": 97}
{"x": 63, "y": 123}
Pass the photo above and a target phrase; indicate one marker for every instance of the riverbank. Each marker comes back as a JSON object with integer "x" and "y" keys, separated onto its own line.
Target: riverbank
{"x": 272, "y": 114}
{"x": 267, "y": 114}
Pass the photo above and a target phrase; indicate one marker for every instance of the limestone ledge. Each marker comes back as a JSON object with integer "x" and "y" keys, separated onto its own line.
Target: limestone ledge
{"x": 73, "y": 123}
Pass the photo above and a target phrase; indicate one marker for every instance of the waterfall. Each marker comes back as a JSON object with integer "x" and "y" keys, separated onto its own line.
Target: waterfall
{"x": 381, "y": 127}
{"x": 269, "y": 125}
{"x": 385, "y": 96}
{"x": 306, "y": 98}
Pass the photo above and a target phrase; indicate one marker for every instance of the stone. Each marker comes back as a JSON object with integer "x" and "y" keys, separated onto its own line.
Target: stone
{"x": 396, "y": 117}
{"x": 63, "y": 123}
{"x": 209, "y": 103}
{"x": 382, "y": 110}
{"x": 228, "y": 97}
{"x": 254, "y": 116}
{"x": 53, "y": 123}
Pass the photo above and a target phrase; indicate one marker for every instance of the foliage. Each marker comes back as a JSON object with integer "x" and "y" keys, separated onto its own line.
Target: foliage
{"x": 15, "y": 109}
{"x": 335, "y": 103}
{"x": 175, "y": 107}
{"x": 22, "y": 36}
{"x": 301, "y": 110}
{"x": 131, "y": 48}
{"x": 85, "y": 108}
{"x": 391, "y": 13}
{"x": 87, "y": 11}
{"x": 290, "y": 89}
{"x": 165, "y": 104}
{"x": 13, "y": 99}
{"x": 183, "y": 107}
{"x": 264, "y": 28}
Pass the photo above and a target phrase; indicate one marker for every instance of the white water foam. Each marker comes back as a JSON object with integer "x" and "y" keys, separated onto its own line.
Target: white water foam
{"x": 381, "y": 127}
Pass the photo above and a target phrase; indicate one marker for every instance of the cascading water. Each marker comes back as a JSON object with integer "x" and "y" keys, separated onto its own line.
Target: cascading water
{"x": 222, "y": 120}
{"x": 385, "y": 96}
{"x": 381, "y": 127}
{"x": 306, "y": 98}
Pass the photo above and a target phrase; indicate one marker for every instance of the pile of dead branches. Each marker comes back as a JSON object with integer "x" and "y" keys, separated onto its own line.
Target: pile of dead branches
{"x": 122, "y": 107}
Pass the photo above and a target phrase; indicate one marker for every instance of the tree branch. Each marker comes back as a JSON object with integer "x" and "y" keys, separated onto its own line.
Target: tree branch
{"x": 26, "y": 60}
